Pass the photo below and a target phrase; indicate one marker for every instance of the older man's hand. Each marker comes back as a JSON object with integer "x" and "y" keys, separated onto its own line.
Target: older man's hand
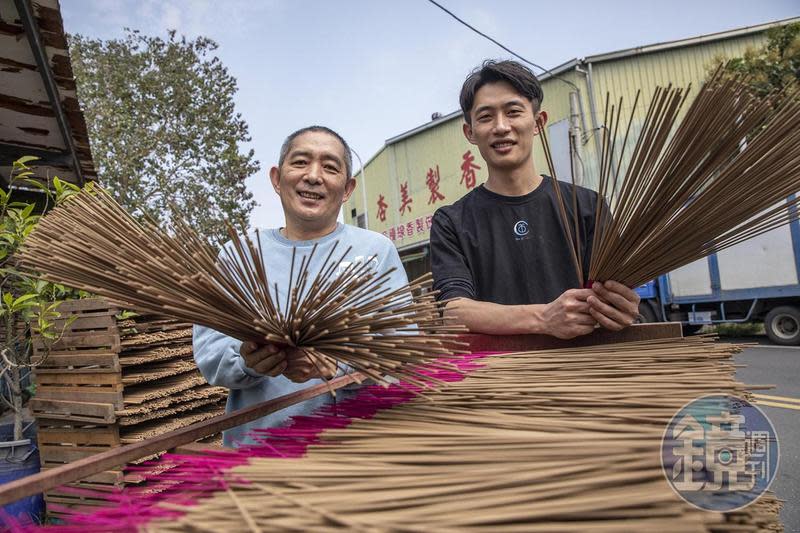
{"x": 265, "y": 359}
{"x": 301, "y": 366}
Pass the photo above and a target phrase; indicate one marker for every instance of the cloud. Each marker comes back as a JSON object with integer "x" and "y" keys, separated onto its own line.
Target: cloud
{"x": 172, "y": 18}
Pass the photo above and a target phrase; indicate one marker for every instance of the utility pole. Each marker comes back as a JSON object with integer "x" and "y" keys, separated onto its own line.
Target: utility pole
{"x": 575, "y": 138}
{"x": 363, "y": 176}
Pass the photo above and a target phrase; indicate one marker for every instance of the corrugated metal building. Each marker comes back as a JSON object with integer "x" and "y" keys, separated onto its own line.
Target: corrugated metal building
{"x": 433, "y": 165}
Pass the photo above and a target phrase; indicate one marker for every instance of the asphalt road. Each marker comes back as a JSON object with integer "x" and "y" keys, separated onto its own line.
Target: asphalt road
{"x": 767, "y": 364}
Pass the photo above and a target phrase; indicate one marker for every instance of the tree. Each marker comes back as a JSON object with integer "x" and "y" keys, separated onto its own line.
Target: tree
{"x": 773, "y": 66}
{"x": 163, "y": 128}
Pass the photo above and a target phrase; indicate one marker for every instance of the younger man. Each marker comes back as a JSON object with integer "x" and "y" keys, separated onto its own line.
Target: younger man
{"x": 501, "y": 249}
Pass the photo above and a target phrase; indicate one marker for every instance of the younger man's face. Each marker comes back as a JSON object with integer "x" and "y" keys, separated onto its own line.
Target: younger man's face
{"x": 503, "y": 126}
{"x": 312, "y": 181}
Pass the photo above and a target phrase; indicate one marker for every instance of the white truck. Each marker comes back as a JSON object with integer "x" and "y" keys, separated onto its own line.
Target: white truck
{"x": 757, "y": 280}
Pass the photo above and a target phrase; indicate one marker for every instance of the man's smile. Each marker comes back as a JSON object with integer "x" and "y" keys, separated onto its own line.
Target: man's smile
{"x": 310, "y": 195}
{"x": 503, "y": 146}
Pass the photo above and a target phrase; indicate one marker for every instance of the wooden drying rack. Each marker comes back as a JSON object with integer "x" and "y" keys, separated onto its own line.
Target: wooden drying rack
{"x": 114, "y": 457}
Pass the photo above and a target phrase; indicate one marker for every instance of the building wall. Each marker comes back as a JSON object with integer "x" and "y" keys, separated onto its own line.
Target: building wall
{"x": 434, "y": 154}
{"x": 413, "y": 161}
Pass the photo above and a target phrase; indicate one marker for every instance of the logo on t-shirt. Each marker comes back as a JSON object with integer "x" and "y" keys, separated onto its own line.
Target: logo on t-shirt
{"x": 521, "y": 228}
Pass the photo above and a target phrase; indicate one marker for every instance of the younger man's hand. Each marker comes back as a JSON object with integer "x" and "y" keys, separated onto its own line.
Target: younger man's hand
{"x": 568, "y": 315}
{"x": 265, "y": 359}
{"x": 613, "y": 305}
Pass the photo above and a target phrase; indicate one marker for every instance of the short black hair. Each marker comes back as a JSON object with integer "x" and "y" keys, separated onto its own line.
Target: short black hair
{"x": 287, "y": 145}
{"x": 518, "y": 75}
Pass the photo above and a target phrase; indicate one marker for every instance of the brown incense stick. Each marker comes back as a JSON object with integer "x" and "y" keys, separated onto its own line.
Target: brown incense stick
{"x": 695, "y": 186}
{"x": 354, "y": 316}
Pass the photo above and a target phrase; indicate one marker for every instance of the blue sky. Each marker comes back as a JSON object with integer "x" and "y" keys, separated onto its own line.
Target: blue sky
{"x": 374, "y": 69}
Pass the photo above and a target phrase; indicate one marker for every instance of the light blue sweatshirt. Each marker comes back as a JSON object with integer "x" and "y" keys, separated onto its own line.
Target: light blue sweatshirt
{"x": 217, "y": 355}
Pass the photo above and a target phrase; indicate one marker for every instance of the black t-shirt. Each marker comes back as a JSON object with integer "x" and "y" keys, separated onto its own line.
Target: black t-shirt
{"x": 510, "y": 249}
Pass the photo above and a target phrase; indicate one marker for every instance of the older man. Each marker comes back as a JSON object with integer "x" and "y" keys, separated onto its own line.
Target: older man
{"x": 313, "y": 179}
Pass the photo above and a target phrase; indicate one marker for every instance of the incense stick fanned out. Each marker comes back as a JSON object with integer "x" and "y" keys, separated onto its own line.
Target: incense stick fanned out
{"x": 91, "y": 243}
{"x": 687, "y": 189}
{"x": 523, "y": 443}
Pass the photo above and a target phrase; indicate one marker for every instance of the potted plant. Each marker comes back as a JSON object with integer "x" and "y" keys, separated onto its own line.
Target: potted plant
{"x": 27, "y": 305}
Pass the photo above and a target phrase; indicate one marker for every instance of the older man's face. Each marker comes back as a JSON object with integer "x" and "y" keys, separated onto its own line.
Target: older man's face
{"x": 312, "y": 181}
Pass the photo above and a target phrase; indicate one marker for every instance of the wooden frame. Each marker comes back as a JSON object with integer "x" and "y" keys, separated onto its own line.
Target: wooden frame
{"x": 115, "y": 457}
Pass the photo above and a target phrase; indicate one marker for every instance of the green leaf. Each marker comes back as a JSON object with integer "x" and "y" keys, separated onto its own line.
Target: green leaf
{"x": 25, "y": 298}
{"x": 8, "y": 299}
{"x": 25, "y": 159}
{"x": 28, "y": 210}
{"x": 38, "y": 184}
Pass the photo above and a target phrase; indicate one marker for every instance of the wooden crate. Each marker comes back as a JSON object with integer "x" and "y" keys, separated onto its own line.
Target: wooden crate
{"x": 112, "y": 380}
{"x": 83, "y": 366}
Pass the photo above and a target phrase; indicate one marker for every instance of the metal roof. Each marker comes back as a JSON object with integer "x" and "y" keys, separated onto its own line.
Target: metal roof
{"x": 39, "y": 111}
{"x": 610, "y": 56}
{"x": 668, "y": 45}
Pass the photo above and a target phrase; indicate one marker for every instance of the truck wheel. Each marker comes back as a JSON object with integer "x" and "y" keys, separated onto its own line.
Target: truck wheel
{"x": 647, "y": 314}
{"x": 783, "y": 325}
{"x": 691, "y": 329}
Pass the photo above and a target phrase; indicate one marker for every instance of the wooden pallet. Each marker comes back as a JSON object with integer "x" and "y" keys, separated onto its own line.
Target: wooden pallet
{"x": 110, "y": 381}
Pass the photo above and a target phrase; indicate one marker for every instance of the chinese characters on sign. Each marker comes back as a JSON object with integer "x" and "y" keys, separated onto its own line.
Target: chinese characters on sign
{"x": 405, "y": 199}
{"x": 402, "y": 231}
{"x": 719, "y": 453}
{"x": 421, "y": 225}
{"x": 382, "y": 205}
{"x": 468, "y": 167}
{"x": 432, "y": 181}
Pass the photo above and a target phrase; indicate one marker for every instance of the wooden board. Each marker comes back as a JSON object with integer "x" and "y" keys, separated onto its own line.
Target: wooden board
{"x": 85, "y": 322}
{"x": 93, "y": 378}
{"x": 73, "y": 410}
{"x": 107, "y": 436}
{"x": 68, "y": 454}
{"x": 105, "y": 341}
{"x": 66, "y": 360}
{"x": 115, "y": 478}
{"x": 112, "y": 395}
{"x": 516, "y": 343}
{"x": 88, "y": 305}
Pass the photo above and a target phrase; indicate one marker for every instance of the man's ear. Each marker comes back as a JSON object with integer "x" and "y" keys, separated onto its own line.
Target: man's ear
{"x": 349, "y": 187}
{"x": 468, "y": 133}
{"x": 541, "y": 120}
{"x": 275, "y": 178}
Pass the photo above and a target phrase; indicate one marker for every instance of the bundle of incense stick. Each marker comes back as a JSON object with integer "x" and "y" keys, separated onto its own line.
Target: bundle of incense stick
{"x": 345, "y": 312}
{"x": 553, "y": 440}
{"x": 684, "y": 190}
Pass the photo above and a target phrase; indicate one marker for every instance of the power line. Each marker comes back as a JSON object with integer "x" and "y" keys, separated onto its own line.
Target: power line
{"x": 501, "y": 45}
